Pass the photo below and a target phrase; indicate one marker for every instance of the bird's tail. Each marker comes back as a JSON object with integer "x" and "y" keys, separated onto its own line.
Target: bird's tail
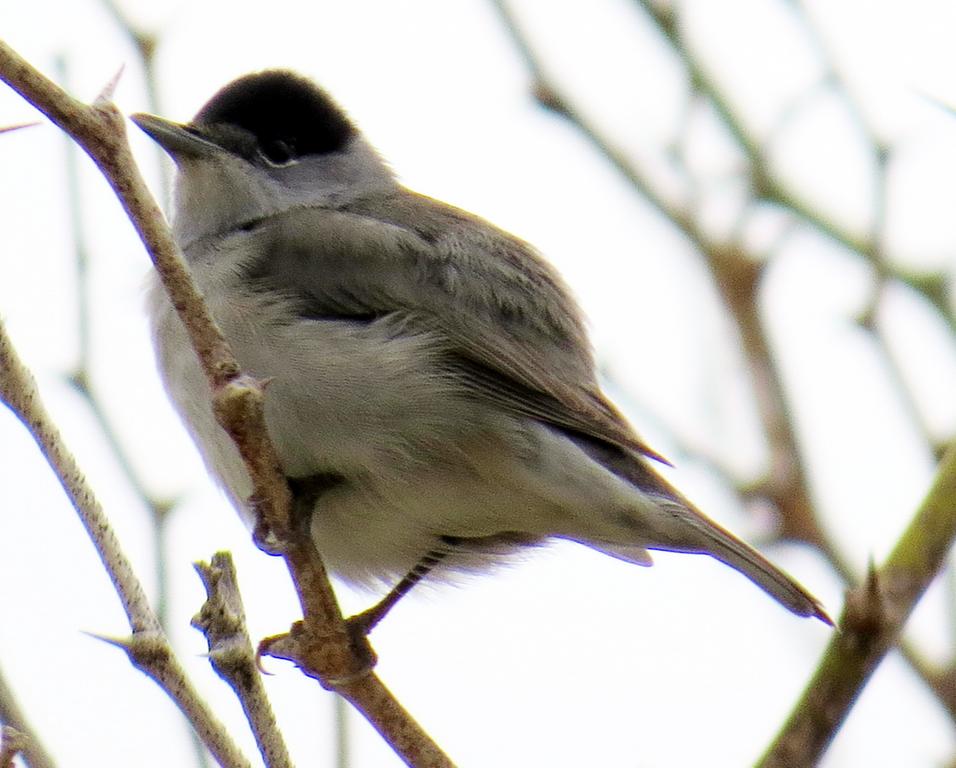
{"x": 704, "y": 536}
{"x": 676, "y": 525}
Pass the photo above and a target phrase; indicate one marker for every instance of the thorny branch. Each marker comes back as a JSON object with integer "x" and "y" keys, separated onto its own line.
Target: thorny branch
{"x": 222, "y": 620}
{"x": 873, "y": 617}
{"x": 322, "y": 646}
{"x": 147, "y": 647}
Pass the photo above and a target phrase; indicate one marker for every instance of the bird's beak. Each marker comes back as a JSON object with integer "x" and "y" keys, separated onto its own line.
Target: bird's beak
{"x": 178, "y": 139}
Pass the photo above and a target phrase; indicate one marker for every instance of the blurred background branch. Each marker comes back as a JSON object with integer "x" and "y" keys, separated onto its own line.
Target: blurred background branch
{"x": 28, "y": 743}
{"x": 738, "y": 273}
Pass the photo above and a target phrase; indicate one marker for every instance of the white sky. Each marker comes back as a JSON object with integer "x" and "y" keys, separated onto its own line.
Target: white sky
{"x": 567, "y": 658}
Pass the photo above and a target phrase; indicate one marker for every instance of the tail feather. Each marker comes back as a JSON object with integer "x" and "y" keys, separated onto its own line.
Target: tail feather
{"x": 714, "y": 540}
{"x": 681, "y": 527}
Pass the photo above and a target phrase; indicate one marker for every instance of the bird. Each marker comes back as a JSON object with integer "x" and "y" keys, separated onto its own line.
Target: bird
{"x": 433, "y": 395}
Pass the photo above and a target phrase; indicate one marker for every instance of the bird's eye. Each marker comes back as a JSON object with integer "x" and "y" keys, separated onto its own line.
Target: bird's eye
{"x": 278, "y": 153}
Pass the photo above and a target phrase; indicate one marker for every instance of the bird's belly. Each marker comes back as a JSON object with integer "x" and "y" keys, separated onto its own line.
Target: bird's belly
{"x": 376, "y": 533}
{"x": 340, "y": 398}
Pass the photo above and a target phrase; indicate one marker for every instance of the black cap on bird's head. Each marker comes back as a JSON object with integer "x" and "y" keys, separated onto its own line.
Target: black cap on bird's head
{"x": 288, "y": 114}
{"x": 265, "y": 143}
{"x": 275, "y": 116}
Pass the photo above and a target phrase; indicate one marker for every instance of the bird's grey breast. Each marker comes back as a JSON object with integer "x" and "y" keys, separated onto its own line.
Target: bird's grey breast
{"x": 353, "y": 387}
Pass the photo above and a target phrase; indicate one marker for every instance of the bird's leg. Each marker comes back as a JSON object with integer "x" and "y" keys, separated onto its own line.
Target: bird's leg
{"x": 363, "y": 623}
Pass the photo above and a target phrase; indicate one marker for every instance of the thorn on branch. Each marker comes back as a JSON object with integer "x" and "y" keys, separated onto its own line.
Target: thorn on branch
{"x": 123, "y": 643}
{"x": 865, "y": 617}
{"x": 105, "y": 96}
{"x": 223, "y": 622}
{"x": 147, "y": 650}
{"x": 18, "y": 126}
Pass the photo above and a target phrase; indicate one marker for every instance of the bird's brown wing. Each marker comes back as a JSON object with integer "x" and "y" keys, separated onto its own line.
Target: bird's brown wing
{"x": 506, "y": 327}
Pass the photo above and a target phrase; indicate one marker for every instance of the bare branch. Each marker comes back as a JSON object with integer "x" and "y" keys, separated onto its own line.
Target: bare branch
{"x": 738, "y": 278}
{"x": 667, "y": 22}
{"x": 25, "y": 741}
{"x": 874, "y": 615}
{"x": 148, "y": 647}
{"x": 145, "y": 43}
{"x": 18, "y": 391}
{"x": 222, "y": 620}
{"x": 80, "y": 377}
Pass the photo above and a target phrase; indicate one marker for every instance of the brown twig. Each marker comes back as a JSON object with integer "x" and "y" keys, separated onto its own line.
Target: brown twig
{"x": 80, "y": 377}
{"x": 145, "y": 43}
{"x": 222, "y": 620}
{"x": 320, "y": 644}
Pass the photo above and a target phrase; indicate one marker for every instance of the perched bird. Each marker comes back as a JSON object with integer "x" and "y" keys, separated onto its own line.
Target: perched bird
{"x": 432, "y": 392}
